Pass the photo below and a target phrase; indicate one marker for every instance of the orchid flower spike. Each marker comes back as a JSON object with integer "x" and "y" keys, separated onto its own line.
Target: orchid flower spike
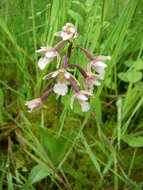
{"x": 68, "y": 32}
{"x": 64, "y": 77}
{"x": 82, "y": 97}
{"x": 49, "y": 54}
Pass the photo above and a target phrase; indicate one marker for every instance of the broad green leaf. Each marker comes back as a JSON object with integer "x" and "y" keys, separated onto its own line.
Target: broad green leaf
{"x": 129, "y": 63}
{"x": 37, "y": 174}
{"x": 137, "y": 65}
{"x": 132, "y": 140}
{"x": 130, "y": 76}
{"x": 55, "y": 146}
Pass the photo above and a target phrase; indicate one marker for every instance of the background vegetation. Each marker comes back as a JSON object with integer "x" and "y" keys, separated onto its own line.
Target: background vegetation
{"x": 56, "y": 148}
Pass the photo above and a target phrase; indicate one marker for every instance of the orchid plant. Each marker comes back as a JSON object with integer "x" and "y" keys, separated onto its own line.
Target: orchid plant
{"x": 91, "y": 77}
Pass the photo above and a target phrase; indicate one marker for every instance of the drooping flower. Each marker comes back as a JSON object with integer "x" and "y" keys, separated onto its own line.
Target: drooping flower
{"x": 98, "y": 65}
{"x": 64, "y": 77}
{"x": 97, "y": 62}
{"x": 90, "y": 81}
{"x": 68, "y": 32}
{"x": 82, "y": 97}
{"x": 38, "y": 102}
{"x": 49, "y": 54}
{"x": 34, "y": 104}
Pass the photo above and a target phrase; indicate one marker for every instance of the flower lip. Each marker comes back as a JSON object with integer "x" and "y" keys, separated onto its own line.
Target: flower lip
{"x": 43, "y": 61}
{"x": 61, "y": 89}
{"x": 85, "y": 106}
{"x": 63, "y": 78}
{"x": 82, "y": 97}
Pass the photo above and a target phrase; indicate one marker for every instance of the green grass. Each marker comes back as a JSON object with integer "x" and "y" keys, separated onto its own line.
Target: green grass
{"x": 55, "y": 147}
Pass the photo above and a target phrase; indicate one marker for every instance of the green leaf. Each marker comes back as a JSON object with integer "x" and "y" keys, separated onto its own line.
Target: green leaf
{"x": 54, "y": 146}
{"x": 37, "y": 174}
{"x": 10, "y": 182}
{"x": 129, "y": 63}
{"x": 132, "y": 140}
{"x": 130, "y": 76}
{"x": 137, "y": 65}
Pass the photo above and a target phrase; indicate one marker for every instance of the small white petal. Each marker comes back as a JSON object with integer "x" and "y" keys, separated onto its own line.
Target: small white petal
{"x": 72, "y": 30}
{"x": 67, "y": 75}
{"x": 55, "y": 74}
{"x": 99, "y": 64}
{"x": 81, "y": 97}
{"x": 61, "y": 89}
{"x": 101, "y": 72}
{"x": 69, "y": 24}
{"x": 66, "y": 36}
{"x": 50, "y": 54}
{"x": 43, "y": 62}
{"x": 64, "y": 28}
{"x": 85, "y": 106}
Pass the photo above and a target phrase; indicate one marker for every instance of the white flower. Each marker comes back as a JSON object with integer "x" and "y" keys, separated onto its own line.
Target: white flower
{"x": 98, "y": 65}
{"x": 33, "y": 104}
{"x": 85, "y": 106}
{"x": 49, "y": 54}
{"x": 62, "y": 73}
{"x": 82, "y": 97}
{"x": 63, "y": 76}
{"x": 61, "y": 89}
{"x": 68, "y": 32}
{"x": 90, "y": 81}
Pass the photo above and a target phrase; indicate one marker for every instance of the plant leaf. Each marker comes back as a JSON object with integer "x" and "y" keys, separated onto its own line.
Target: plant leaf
{"x": 54, "y": 146}
{"x": 130, "y": 76}
{"x": 132, "y": 140}
{"x": 37, "y": 174}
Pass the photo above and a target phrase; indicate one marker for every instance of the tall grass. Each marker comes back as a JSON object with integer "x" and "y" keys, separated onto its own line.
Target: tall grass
{"x": 56, "y": 148}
